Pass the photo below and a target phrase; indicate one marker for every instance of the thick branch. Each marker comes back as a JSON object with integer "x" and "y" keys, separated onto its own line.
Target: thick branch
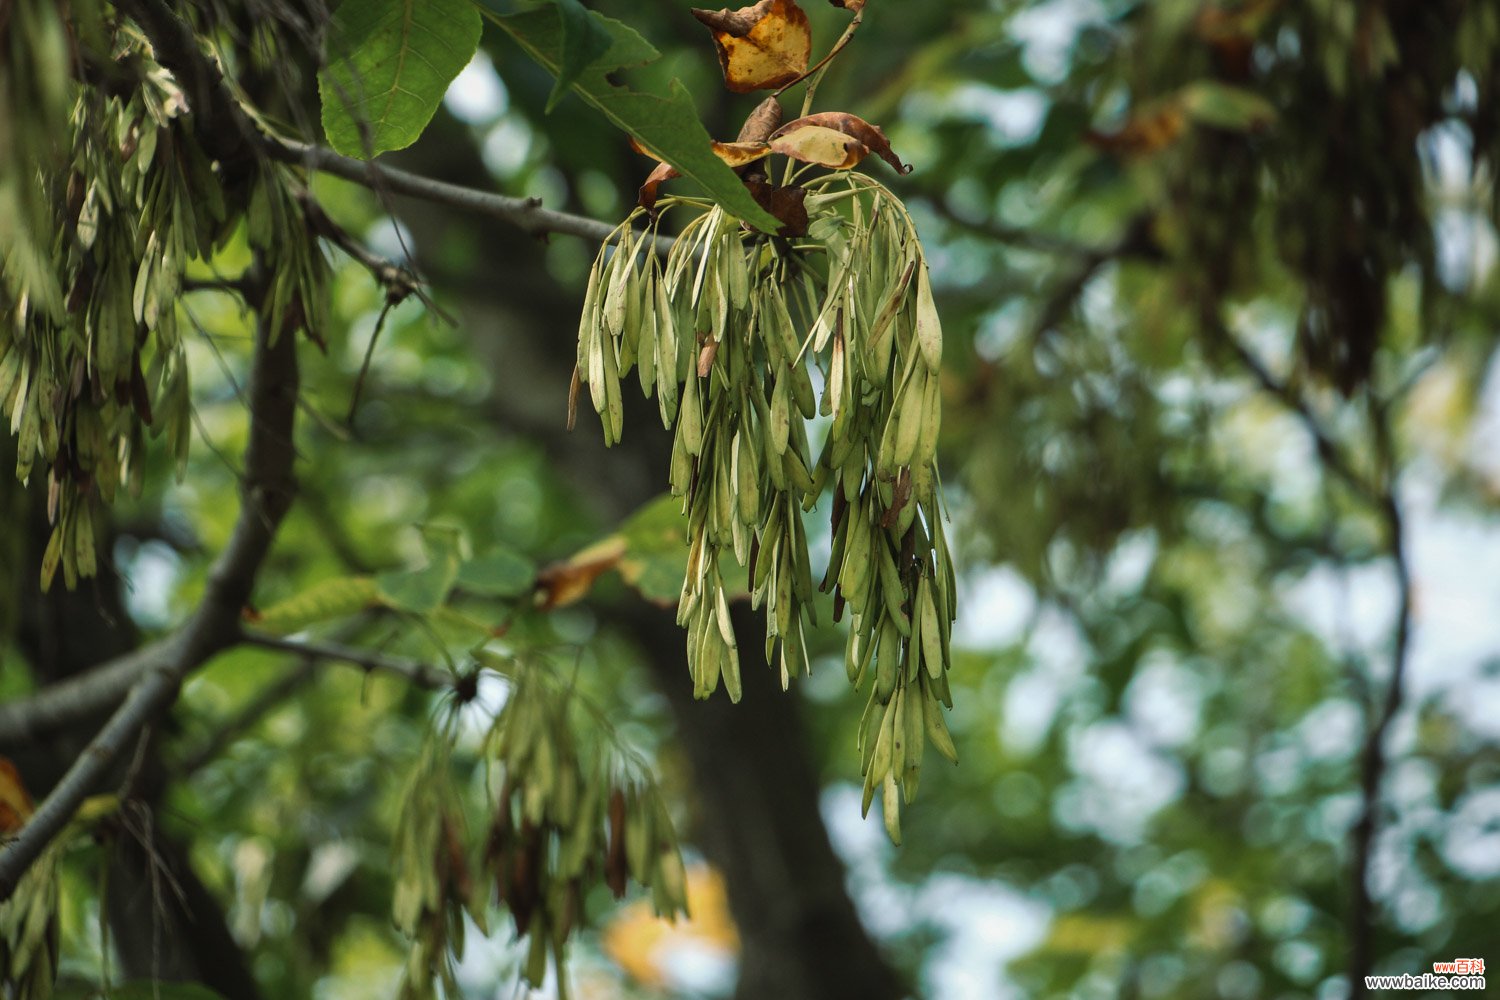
{"x": 266, "y": 495}
{"x": 80, "y": 697}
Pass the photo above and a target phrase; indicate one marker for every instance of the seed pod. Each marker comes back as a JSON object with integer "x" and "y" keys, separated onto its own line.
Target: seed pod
{"x": 802, "y": 392}
{"x": 780, "y": 424}
{"x": 887, "y": 661}
{"x": 621, "y": 279}
{"x": 937, "y": 730}
{"x": 891, "y": 809}
{"x": 931, "y": 632}
{"x": 916, "y": 742}
{"x": 690, "y": 418}
{"x": 892, "y": 590}
{"x": 909, "y": 420}
{"x": 929, "y": 327}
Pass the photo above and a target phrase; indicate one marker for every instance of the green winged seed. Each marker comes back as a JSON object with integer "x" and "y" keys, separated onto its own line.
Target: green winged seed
{"x": 932, "y": 636}
{"x": 891, "y": 809}
{"x": 929, "y": 327}
{"x": 780, "y": 424}
{"x": 937, "y": 730}
{"x": 909, "y": 420}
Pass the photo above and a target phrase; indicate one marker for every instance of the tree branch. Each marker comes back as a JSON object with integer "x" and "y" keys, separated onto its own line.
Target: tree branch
{"x": 230, "y": 730}
{"x": 80, "y": 697}
{"x": 1372, "y": 763}
{"x": 267, "y": 493}
{"x": 1378, "y": 491}
{"x": 1333, "y": 457}
{"x": 526, "y": 214}
{"x": 419, "y": 674}
{"x": 1020, "y": 237}
{"x": 309, "y": 656}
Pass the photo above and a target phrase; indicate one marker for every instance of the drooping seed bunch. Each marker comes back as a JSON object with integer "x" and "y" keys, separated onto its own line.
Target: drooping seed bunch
{"x": 95, "y": 237}
{"x": 88, "y": 327}
{"x": 755, "y": 346}
{"x": 573, "y": 808}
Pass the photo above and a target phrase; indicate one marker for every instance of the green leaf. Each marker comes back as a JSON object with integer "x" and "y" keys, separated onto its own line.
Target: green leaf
{"x": 656, "y": 549}
{"x": 583, "y": 41}
{"x": 1226, "y": 107}
{"x": 390, "y": 62}
{"x": 656, "y": 552}
{"x": 666, "y": 126}
{"x": 502, "y": 573}
{"x": 422, "y": 591}
{"x": 325, "y": 600}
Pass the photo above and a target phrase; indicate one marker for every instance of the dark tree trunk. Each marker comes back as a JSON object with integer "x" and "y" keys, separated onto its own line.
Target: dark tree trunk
{"x": 760, "y": 825}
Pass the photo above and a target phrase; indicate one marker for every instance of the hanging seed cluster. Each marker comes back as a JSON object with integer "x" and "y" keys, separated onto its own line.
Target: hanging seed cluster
{"x": 569, "y": 813}
{"x": 434, "y": 887}
{"x": 29, "y": 931}
{"x": 90, "y": 351}
{"x": 753, "y": 347}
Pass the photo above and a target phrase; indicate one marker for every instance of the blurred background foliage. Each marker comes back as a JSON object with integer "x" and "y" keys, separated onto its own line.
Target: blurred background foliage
{"x": 1168, "y": 237}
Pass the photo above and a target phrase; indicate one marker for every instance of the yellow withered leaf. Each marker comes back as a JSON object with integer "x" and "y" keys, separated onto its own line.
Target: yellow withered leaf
{"x": 823, "y": 146}
{"x": 565, "y": 582}
{"x": 738, "y": 154}
{"x": 868, "y": 136}
{"x": 761, "y": 47}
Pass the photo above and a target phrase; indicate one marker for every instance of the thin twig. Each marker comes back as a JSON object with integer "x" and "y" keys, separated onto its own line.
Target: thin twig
{"x": 1020, "y": 237}
{"x": 1329, "y": 452}
{"x": 526, "y": 214}
{"x": 364, "y": 367}
{"x": 838, "y": 47}
{"x": 230, "y": 730}
{"x": 1372, "y": 763}
{"x": 1380, "y": 495}
{"x": 419, "y": 674}
{"x": 231, "y": 286}
{"x": 232, "y": 137}
{"x": 815, "y": 76}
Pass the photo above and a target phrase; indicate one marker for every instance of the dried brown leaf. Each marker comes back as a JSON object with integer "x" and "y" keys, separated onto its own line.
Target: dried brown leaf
{"x": 765, "y": 119}
{"x": 761, "y": 47}
{"x": 565, "y": 582}
{"x": 786, "y": 203}
{"x": 648, "y": 193}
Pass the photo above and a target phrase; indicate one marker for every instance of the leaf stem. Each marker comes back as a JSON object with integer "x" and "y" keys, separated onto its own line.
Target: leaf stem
{"x": 815, "y": 76}
{"x": 822, "y": 64}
